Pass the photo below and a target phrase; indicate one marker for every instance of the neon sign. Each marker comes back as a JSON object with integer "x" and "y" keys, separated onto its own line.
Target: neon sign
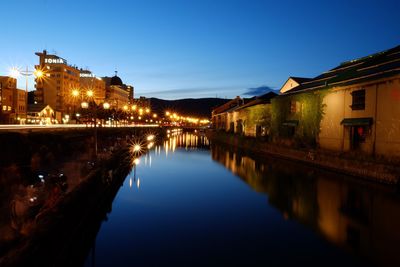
{"x": 54, "y": 61}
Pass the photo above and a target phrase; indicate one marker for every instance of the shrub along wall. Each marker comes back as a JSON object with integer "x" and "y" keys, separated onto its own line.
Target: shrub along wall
{"x": 258, "y": 115}
{"x": 298, "y": 117}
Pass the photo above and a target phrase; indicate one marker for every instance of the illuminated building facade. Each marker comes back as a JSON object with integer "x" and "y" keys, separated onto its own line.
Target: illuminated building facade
{"x": 92, "y": 86}
{"x": 360, "y": 103}
{"x": 118, "y": 94}
{"x": 56, "y": 86}
{"x": 220, "y": 120}
{"x": 12, "y": 101}
{"x": 40, "y": 114}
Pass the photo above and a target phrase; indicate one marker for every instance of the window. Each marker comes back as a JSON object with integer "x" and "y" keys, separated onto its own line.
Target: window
{"x": 294, "y": 106}
{"x": 358, "y": 101}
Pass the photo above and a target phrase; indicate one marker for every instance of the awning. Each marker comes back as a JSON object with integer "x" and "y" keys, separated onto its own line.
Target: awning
{"x": 357, "y": 122}
{"x": 292, "y": 123}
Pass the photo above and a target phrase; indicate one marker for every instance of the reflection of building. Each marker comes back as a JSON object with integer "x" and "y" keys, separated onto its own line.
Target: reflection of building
{"x": 12, "y": 101}
{"x": 360, "y": 103}
{"x": 89, "y": 82}
{"x": 56, "y": 86}
{"x": 360, "y": 218}
{"x": 40, "y": 114}
{"x": 117, "y": 93}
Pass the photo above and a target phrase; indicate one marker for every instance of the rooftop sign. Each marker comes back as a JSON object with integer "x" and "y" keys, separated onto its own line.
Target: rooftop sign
{"x": 87, "y": 75}
{"x": 55, "y": 61}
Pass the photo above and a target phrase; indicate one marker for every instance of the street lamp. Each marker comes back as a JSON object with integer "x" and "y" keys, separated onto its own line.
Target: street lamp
{"x": 89, "y": 93}
{"x": 15, "y": 72}
{"x": 106, "y": 105}
{"x": 75, "y": 93}
{"x": 85, "y": 105}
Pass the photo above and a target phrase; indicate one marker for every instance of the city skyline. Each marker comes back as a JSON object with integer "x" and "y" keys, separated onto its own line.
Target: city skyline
{"x": 176, "y": 49}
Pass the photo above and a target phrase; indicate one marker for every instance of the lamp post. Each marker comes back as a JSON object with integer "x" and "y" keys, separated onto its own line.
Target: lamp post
{"x": 75, "y": 93}
{"x": 85, "y": 105}
{"x": 16, "y": 72}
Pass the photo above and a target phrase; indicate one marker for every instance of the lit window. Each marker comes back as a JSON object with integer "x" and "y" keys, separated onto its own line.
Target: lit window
{"x": 294, "y": 106}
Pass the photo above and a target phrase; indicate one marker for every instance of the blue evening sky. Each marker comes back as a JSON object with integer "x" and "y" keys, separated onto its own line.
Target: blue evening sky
{"x": 197, "y": 48}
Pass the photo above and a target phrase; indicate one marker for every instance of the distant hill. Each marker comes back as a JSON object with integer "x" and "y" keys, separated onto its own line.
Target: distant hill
{"x": 200, "y": 107}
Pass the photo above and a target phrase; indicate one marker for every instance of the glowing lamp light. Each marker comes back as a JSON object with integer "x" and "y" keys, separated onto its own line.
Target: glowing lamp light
{"x": 136, "y": 148}
{"x": 150, "y": 145}
{"x": 14, "y": 72}
{"x": 134, "y": 107}
{"x": 125, "y": 107}
{"x": 136, "y": 161}
{"x": 75, "y": 93}
{"x": 38, "y": 73}
{"x": 84, "y": 104}
{"x": 106, "y": 105}
{"x": 89, "y": 93}
{"x": 150, "y": 137}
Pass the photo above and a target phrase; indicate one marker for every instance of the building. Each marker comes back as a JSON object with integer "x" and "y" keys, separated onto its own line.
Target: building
{"x": 292, "y": 82}
{"x": 142, "y": 102}
{"x": 219, "y": 115}
{"x": 92, "y": 86}
{"x": 12, "y": 101}
{"x": 131, "y": 90}
{"x": 254, "y": 118}
{"x": 352, "y": 107}
{"x": 57, "y": 84}
{"x": 19, "y": 105}
{"x": 40, "y": 114}
{"x": 117, "y": 93}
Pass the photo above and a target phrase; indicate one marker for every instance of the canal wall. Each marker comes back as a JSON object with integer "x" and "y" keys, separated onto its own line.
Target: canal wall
{"x": 64, "y": 234}
{"x": 46, "y": 145}
{"x": 358, "y": 166}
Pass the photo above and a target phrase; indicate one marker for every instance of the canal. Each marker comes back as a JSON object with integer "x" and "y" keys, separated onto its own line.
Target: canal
{"x": 191, "y": 203}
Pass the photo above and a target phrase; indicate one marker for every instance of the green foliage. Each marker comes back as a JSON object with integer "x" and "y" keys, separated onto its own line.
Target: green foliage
{"x": 258, "y": 115}
{"x": 306, "y": 108}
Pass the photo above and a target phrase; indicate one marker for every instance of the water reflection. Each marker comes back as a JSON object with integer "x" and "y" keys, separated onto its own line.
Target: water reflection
{"x": 359, "y": 217}
{"x": 187, "y": 140}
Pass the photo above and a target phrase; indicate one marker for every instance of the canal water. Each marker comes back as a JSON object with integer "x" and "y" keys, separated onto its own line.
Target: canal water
{"x": 191, "y": 203}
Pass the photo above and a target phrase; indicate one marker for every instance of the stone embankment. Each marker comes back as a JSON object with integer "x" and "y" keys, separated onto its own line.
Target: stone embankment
{"x": 64, "y": 233}
{"x": 49, "y": 224}
{"x": 356, "y": 165}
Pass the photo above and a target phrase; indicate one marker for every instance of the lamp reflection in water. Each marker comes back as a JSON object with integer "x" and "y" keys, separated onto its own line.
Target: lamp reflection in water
{"x": 135, "y": 162}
